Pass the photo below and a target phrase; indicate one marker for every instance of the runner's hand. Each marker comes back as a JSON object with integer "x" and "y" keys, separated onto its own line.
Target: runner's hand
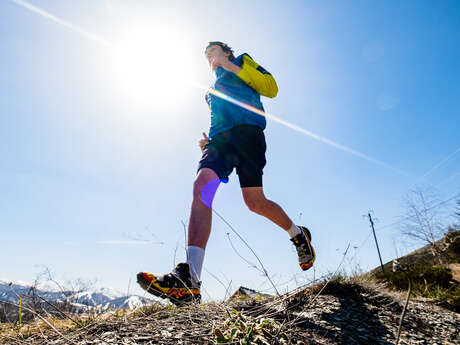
{"x": 226, "y": 64}
{"x": 217, "y": 61}
{"x": 203, "y": 141}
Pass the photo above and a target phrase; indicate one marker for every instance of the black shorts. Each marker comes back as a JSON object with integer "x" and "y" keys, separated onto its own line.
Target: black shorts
{"x": 242, "y": 147}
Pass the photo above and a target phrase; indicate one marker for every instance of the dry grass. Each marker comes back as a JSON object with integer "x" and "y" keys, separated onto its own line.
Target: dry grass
{"x": 337, "y": 311}
{"x": 242, "y": 320}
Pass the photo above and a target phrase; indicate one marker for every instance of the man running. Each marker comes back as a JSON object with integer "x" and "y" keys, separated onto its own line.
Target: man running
{"x": 235, "y": 140}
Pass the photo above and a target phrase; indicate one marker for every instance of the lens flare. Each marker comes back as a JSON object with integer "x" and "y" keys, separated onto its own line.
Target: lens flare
{"x": 299, "y": 129}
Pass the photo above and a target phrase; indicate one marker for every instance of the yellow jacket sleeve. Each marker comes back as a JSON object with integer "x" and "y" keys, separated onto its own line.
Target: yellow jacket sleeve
{"x": 258, "y": 78}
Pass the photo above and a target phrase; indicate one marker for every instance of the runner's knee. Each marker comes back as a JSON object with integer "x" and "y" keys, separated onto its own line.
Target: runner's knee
{"x": 205, "y": 189}
{"x": 256, "y": 205}
{"x": 197, "y": 187}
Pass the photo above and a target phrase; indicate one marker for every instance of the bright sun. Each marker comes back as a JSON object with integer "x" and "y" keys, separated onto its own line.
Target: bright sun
{"x": 151, "y": 64}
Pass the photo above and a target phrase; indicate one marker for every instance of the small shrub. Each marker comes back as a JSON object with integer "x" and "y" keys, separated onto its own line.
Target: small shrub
{"x": 427, "y": 281}
{"x": 340, "y": 278}
{"x": 244, "y": 330}
{"x": 419, "y": 275}
{"x": 453, "y": 250}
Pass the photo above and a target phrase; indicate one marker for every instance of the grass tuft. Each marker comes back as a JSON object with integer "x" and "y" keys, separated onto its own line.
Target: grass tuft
{"x": 434, "y": 282}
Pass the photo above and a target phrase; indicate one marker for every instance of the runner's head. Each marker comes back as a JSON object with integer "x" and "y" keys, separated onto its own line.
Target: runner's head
{"x": 216, "y": 48}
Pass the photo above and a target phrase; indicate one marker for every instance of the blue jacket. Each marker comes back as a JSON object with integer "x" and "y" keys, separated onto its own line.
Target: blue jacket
{"x": 245, "y": 87}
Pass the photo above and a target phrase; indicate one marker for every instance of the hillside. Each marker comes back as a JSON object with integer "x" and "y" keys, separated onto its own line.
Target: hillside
{"x": 337, "y": 312}
{"x": 449, "y": 248}
{"x": 437, "y": 282}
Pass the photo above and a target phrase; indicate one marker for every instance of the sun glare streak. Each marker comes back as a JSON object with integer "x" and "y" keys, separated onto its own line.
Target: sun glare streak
{"x": 450, "y": 178}
{"x": 62, "y": 22}
{"x": 106, "y": 43}
{"x": 445, "y": 160}
{"x": 299, "y": 129}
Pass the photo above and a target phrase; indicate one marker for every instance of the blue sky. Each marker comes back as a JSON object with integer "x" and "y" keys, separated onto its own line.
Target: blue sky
{"x": 98, "y": 137}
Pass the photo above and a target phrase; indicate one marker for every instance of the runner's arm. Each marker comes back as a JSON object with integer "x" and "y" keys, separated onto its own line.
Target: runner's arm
{"x": 258, "y": 78}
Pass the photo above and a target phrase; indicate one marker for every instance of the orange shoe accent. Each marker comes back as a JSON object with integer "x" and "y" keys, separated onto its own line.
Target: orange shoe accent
{"x": 148, "y": 276}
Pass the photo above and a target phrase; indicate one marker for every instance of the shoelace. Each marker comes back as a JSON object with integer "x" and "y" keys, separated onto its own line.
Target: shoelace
{"x": 304, "y": 250}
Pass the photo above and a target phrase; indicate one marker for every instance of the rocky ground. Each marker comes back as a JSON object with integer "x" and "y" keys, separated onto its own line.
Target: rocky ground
{"x": 341, "y": 313}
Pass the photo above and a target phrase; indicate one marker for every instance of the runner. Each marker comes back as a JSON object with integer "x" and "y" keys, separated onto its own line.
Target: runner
{"x": 236, "y": 140}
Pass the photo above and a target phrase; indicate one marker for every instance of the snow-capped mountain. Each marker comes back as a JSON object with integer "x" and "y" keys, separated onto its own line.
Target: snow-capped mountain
{"x": 11, "y": 291}
{"x": 100, "y": 298}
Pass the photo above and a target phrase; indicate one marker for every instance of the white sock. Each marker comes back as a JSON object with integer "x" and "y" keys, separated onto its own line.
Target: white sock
{"x": 293, "y": 231}
{"x": 195, "y": 258}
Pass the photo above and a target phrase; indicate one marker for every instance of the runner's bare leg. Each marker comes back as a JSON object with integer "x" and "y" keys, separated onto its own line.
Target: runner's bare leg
{"x": 256, "y": 201}
{"x": 204, "y": 189}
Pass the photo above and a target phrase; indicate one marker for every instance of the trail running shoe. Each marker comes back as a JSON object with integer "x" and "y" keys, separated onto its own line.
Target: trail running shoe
{"x": 304, "y": 248}
{"x": 176, "y": 286}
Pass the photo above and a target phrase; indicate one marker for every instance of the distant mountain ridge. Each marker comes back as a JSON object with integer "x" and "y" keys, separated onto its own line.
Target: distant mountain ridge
{"x": 76, "y": 301}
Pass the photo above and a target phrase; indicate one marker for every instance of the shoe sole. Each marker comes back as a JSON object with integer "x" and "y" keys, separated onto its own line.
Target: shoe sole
{"x": 307, "y": 265}
{"x": 150, "y": 287}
